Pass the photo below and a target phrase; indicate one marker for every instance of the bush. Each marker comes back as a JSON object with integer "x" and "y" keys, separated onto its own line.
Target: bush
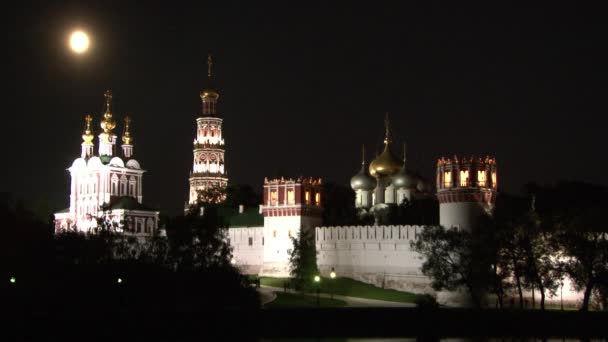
{"x": 426, "y": 301}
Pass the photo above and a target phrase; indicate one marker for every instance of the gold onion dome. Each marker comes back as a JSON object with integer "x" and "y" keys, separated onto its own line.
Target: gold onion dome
{"x": 386, "y": 164}
{"x": 126, "y": 137}
{"x": 87, "y": 136}
{"x": 363, "y": 180}
{"x": 108, "y": 123}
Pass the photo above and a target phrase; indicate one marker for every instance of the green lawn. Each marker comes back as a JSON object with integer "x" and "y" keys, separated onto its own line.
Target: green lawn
{"x": 291, "y": 300}
{"x": 351, "y": 288}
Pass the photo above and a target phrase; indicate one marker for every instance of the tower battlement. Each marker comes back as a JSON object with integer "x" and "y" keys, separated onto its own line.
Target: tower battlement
{"x": 466, "y": 189}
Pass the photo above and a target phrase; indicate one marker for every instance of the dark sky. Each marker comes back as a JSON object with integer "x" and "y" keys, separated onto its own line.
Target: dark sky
{"x": 303, "y": 86}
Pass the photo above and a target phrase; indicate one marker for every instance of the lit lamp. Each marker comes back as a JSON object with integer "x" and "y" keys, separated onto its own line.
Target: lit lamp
{"x": 12, "y": 280}
{"x": 317, "y": 283}
{"x": 119, "y": 280}
{"x": 332, "y": 276}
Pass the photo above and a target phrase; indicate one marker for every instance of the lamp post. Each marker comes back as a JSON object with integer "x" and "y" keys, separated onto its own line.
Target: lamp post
{"x": 332, "y": 276}
{"x": 317, "y": 284}
{"x": 561, "y": 290}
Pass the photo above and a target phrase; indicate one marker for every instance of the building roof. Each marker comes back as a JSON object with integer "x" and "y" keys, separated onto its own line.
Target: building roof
{"x": 128, "y": 203}
{"x": 250, "y": 217}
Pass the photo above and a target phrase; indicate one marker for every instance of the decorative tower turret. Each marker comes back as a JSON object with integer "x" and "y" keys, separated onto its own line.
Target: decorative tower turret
{"x": 87, "y": 139}
{"x": 127, "y": 140}
{"x": 208, "y": 171}
{"x": 466, "y": 190}
{"x": 107, "y": 138}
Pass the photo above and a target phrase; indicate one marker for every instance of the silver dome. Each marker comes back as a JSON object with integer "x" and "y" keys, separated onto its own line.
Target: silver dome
{"x": 363, "y": 180}
{"x": 403, "y": 179}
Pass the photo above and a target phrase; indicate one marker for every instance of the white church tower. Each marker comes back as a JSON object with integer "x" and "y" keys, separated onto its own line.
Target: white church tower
{"x": 208, "y": 170}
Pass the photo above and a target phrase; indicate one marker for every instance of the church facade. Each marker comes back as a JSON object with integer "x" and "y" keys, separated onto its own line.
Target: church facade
{"x": 106, "y": 189}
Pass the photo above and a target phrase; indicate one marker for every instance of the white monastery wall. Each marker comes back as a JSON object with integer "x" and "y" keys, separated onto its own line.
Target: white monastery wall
{"x": 247, "y": 248}
{"x": 460, "y": 214}
{"x": 380, "y": 255}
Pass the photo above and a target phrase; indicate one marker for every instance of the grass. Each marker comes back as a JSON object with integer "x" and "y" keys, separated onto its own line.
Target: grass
{"x": 351, "y": 288}
{"x": 291, "y": 300}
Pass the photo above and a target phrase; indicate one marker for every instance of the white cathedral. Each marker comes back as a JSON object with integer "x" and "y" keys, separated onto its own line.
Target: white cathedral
{"x": 106, "y": 190}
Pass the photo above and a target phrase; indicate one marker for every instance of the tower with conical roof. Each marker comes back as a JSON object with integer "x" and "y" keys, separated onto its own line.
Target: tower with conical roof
{"x": 208, "y": 170}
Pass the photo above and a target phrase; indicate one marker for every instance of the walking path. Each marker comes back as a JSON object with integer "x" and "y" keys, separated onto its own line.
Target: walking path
{"x": 352, "y": 302}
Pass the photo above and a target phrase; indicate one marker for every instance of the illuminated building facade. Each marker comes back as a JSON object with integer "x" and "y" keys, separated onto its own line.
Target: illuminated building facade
{"x": 208, "y": 170}
{"x": 106, "y": 186}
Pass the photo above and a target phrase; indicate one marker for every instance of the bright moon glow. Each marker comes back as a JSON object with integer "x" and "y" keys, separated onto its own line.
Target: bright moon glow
{"x": 79, "y": 42}
{"x": 119, "y": 280}
{"x": 13, "y": 280}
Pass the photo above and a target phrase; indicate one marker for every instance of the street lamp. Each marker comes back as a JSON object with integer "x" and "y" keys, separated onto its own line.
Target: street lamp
{"x": 561, "y": 290}
{"x": 119, "y": 280}
{"x": 12, "y": 280}
{"x": 317, "y": 283}
{"x": 332, "y": 276}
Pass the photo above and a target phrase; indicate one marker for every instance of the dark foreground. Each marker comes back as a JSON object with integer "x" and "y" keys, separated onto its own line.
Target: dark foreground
{"x": 239, "y": 325}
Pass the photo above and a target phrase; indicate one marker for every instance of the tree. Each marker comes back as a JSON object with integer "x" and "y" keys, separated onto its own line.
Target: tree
{"x": 303, "y": 260}
{"x": 338, "y": 205}
{"x": 455, "y": 259}
{"x": 585, "y": 252}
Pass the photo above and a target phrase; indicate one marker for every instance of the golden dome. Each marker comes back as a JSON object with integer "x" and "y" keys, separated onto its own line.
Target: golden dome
{"x": 386, "y": 164}
{"x": 87, "y": 137}
{"x": 108, "y": 123}
{"x": 209, "y": 92}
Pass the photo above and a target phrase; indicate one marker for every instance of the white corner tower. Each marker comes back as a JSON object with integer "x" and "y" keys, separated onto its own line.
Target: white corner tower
{"x": 290, "y": 205}
{"x": 466, "y": 190}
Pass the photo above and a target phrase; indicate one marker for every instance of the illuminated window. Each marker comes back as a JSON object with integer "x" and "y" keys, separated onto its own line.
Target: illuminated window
{"x": 494, "y": 179}
{"x": 307, "y": 197}
{"x": 273, "y": 197}
{"x": 447, "y": 179}
{"x": 464, "y": 178}
{"x": 318, "y": 198}
{"x": 290, "y": 197}
{"x": 481, "y": 178}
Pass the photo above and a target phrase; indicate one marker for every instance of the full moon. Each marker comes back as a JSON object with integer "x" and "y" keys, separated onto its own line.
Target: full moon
{"x": 79, "y": 42}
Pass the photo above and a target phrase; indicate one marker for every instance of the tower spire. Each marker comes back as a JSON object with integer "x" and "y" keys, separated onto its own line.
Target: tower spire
{"x": 363, "y": 154}
{"x": 107, "y": 139}
{"x": 127, "y": 140}
{"x": 404, "y": 153}
{"x": 209, "y": 65}
{"x": 209, "y": 95}
{"x": 87, "y": 138}
{"x": 387, "y": 130}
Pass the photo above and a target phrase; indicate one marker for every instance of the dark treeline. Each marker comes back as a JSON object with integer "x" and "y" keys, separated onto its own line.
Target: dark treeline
{"x": 531, "y": 243}
{"x": 189, "y": 270}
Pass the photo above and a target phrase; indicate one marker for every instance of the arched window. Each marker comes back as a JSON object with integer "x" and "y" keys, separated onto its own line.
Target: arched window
{"x": 464, "y": 178}
{"x": 481, "y": 177}
{"x": 447, "y": 179}
{"x": 123, "y": 186}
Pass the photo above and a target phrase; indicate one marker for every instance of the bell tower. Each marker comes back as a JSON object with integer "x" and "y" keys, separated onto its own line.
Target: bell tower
{"x": 208, "y": 170}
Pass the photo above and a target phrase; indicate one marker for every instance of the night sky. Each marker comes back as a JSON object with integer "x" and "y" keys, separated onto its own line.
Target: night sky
{"x": 303, "y": 86}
